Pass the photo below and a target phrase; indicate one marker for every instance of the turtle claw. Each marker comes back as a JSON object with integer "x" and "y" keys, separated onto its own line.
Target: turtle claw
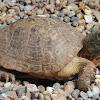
{"x": 8, "y": 76}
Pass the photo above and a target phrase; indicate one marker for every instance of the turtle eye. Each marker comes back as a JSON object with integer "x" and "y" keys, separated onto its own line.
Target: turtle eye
{"x": 98, "y": 36}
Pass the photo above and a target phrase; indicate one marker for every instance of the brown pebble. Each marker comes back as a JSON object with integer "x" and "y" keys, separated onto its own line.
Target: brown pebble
{"x": 55, "y": 92}
{"x": 80, "y": 15}
{"x": 68, "y": 89}
{"x": 46, "y": 93}
{"x": 82, "y": 5}
{"x": 1, "y": 88}
{"x": 60, "y": 91}
{"x": 28, "y": 12}
{"x": 4, "y": 9}
{"x": 59, "y": 97}
{"x": 81, "y": 22}
{"x": 41, "y": 96}
{"x": 6, "y": 98}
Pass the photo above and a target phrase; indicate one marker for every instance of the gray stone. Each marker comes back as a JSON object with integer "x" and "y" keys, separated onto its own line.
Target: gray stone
{"x": 1, "y": 84}
{"x": 66, "y": 19}
{"x": 28, "y": 7}
{"x": 21, "y": 90}
{"x": 75, "y": 24}
{"x": 66, "y": 94}
{"x": 89, "y": 93}
{"x": 96, "y": 96}
{"x": 61, "y": 14}
{"x": 21, "y": 14}
{"x": 70, "y": 83}
{"x": 75, "y": 19}
{"x": 75, "y": 93}
{"x": 56, "y": 86}
{"x": 40, "y": 12}
{"x": 56, "y": 18}
{"x": 64, "y": 11}
{"x": 71, "y": 13}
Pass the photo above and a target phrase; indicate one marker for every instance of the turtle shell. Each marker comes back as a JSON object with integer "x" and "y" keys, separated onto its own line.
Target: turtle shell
{"x": 39, "y": 46}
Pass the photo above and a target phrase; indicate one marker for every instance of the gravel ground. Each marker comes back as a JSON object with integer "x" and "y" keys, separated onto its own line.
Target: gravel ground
{"x": 84, "y": 15}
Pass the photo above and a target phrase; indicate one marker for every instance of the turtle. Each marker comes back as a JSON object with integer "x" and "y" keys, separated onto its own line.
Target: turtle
{"x": 47, "y": 48}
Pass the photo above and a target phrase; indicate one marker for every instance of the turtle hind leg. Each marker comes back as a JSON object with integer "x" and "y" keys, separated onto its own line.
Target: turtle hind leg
{"x": 6, "y": 75}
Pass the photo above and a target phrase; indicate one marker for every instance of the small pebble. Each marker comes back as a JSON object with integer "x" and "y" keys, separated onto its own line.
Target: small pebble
{"x": 75, "y": 24}
{"x": 64, "y": 11}
{"x": 79, "y": 15}
{"x": 96, "y": 96}
{"x": 49, "y": 89}
{"x": 88, "y": 18}
{"x": 56, "y": 86}
{"x": 21, "y": 90}
{"x": 95, "y": 90}
{"x": 39, "y": 12}
{"x": 28, "y": 7}
{"x": 47, "y": 97}
{"x": 41, "y": 88}
{"x": 41, "y": 96}
{"x": 79, "y": 98}
{"x": 71, "y": 13}
{"x": 95, "y": 28}
{"x": 1, "y": 84}
{"x": 60, "y": 91}
{"x": 93, "y": 3}
{"x": 97, "y": 15}
{"x": 66, "y": 19}
{"x": 83, "y": 95}
{"x": 87, "y": 11}
{"x": 75, "y": 19}
{"x": 11, "y": 94}
{"x": 75, "y": 93}
{"x": 31, "y": 88}
{"x": 89, "y": 93}
{"x": 6, "y": 85}
{"x": 81, "y": 22}
{"x": 74, "y": 6}
{"x": 82, "y": 5}
{"x": 68, "y": 89}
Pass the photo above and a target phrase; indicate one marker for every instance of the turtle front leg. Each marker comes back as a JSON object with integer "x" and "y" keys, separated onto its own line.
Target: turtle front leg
{"x": 6, "y": 75}
{"x": 84, "y": 67}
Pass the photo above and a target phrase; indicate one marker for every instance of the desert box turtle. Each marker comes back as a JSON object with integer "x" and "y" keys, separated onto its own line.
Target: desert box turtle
{"x": 47, "y": 48}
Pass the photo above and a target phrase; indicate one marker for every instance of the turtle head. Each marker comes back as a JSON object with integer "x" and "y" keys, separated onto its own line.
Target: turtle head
{"x": 92, "y": 44}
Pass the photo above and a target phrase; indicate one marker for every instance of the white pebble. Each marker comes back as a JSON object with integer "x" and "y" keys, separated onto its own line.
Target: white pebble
{"x": 97, "y": 80}
{"x": 95, "y": 90}
{"x": 31, "y": 88}
{"x": 88, "y": 18}
{"x": 7, "y": 85}
{"x": 90, "y": 93}
{"x": 97, "y": 76}
{"x": 49, "y": 89}
{"x": 70, "y": 8}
